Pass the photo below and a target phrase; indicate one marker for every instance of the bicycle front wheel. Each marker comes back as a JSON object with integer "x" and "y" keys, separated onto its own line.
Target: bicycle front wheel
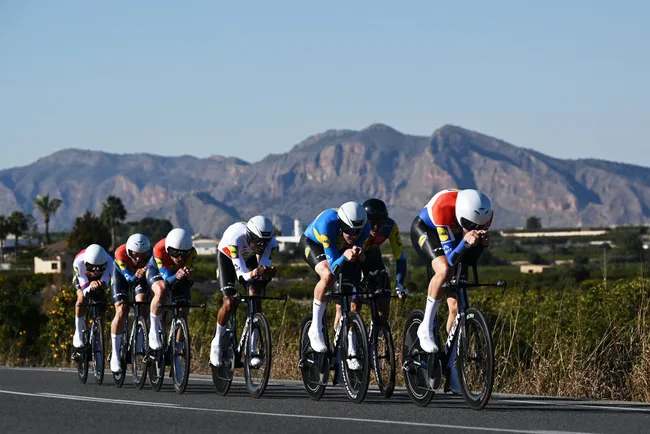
{"x": 257, "y": 361}
{"x": 314, "y": 367}
{"x": 415, "y": 378}
{"x": 97, "y": 347}
{"x": 82, "y": 361}
{"x": 157, "y": 363}
{"x": 475, "y": 362}
{"x": 383, "y": 357}
{"x": 222, "y": 375}
{"x": 118, "y": 378}
{"x": 139, "y": 347}
{"x": 355, "y": 361}
{"x": 180, "y": 364}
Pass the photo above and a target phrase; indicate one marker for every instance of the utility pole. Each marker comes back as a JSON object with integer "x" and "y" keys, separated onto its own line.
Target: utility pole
{"x": 605, "y": 267}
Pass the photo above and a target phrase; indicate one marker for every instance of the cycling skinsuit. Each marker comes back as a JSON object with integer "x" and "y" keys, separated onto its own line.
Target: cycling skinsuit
{"x": 374, "y": 261}
{"x": 81, "y": 280}
{"x": 161, "y": 267}
{"x": 124, "y": 277}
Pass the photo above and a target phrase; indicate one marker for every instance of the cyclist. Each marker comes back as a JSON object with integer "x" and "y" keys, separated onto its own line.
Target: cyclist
{"x": 332, "y": 244}
{"x": 93, "y": 270}
{"x": 170, "y": 268}
{"x": 129, "y": 274}
{"x": 244, "y": 253}
{"x": 452, "y": 227}
{"x": 383, "y": 228}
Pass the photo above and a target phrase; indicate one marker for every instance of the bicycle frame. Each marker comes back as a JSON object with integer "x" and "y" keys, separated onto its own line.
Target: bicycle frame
{"x": 249, "y": 300}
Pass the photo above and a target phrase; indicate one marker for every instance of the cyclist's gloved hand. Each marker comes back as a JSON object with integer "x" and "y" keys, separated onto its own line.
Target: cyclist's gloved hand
{"x": 401, "y": 291}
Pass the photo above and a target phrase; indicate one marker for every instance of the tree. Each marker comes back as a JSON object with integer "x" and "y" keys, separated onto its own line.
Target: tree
{"x": 89, "y": 229}
{"x": 4, "y": 231}
{"x": 113, "y": 213}
{"x": 535, "y": 258}
{"x": 48, "y": 208}
{"x": 18, "y": 225}
{"x": 533, "y": 223}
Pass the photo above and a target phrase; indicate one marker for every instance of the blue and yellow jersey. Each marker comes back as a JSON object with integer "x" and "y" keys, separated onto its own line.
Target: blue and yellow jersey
{"x": 390, "y": 232}
{"x": 325, "y": 231}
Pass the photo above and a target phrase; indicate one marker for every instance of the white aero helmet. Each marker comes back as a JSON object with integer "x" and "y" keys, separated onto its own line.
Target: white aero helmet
{"x": 178, "y": 240}
{"x": 352, "y": 217}
{"x": 259, "y": 230}
{"x": 95, "y": 257}
{"x": 138, "y": 243}
{"x": 473, "y": 210}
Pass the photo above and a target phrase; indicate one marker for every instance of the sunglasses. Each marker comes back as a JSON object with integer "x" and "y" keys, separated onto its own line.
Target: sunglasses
{"x": 351, "y": 231}
{"x": 175, "y": 253}
{"x": 95, "y": 268}
{"x": 379, "y": 223}
{"x": 471, "y": 226}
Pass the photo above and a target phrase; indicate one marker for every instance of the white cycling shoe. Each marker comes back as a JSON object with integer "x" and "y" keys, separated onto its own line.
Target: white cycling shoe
{"x": 426, "y": 339}
{"x": 116, "y": 366}
{"x": 316, "y": 339}
{"x": 154, "y": 339}
{"x": 77, "y": 340}
{"x": 215, "y": 352}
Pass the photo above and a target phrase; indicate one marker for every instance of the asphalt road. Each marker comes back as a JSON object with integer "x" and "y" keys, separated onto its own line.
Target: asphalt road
{"x": 52, "y": 401}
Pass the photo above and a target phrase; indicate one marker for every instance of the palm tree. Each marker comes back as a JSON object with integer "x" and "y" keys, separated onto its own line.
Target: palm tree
{"x": 48, "y": 208}
{"x": 4, "y": 230}
{"x": 18, "y": 225}
{"x": 113, "y": 212}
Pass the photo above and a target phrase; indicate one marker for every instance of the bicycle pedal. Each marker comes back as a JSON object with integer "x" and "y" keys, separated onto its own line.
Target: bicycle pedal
{"x": 304, "y": 364}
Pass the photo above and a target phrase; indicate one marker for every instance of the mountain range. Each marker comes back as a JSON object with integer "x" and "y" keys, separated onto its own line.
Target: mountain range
{"x": 327, "y": 169}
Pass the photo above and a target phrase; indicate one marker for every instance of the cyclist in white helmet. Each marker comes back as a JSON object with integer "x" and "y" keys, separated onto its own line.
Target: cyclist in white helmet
{"x": 130, "y": 275}
{"x": 244, "y": 254}
{"x": 93, "y": 268}
{"x": 451, "y": 228}
{"x": 331, "y": 242}
{"x": 170, "y": 268}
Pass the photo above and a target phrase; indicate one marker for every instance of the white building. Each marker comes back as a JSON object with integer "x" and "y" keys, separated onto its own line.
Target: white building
{"x": 290, "y": 241}
{"x": 206, "y": 246}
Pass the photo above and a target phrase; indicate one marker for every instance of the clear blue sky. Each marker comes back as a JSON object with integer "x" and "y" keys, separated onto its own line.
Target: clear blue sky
{"x": 568, "y": 78}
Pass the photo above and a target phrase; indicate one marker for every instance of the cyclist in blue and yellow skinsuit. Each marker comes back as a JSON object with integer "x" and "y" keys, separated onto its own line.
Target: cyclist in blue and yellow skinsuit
{"x": 330, "y": 243}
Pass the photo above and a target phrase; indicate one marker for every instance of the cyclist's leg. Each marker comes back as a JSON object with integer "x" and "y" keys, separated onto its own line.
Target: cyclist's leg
{"x": 120, "y": 293}
{"x": 80, "y": 316}
{"x": 427, "y": 244}
{"x": 314, "y": 255}
{"x": 256, "y": 288}
{"x": 158, "y": 287}
{"x": 227, "y": 277}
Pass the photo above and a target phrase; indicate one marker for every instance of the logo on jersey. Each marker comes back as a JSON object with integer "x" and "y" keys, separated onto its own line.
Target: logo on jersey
{"x": 323, "y": 239}
{"x": 233, "y": 251}
{"x": 307, "y": 251}
{"x": 443, "y": 234}
{"x": 422, "y": 240}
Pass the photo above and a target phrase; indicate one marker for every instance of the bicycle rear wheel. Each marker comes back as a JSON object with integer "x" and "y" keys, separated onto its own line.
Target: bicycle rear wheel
{"x": 356, "y": 380}
{"x": 314, "y": 367}
{"x": 257, "y": 377}
{"x": 222, "y": 375}
{"x": 118, "y": 378}
{"x": 82, "y": 361}
{"x": 157, "y": 363}
{"x": 97, "y": 348}
{"x": 383, "y": 357}
{"x": 180, "y": 363}
{"x": 415, "y": 378}
{"x": 139, "y": 348}
{"x": 475, "y": 362}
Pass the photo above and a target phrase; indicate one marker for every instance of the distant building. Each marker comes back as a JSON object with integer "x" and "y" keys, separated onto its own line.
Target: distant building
{"x": 57, "y": 259}
{"x": 533, "y": 269}
{"x": 206, "y": 246}
{"x": 592, "y": 233}
{"x": 285, "y": 242}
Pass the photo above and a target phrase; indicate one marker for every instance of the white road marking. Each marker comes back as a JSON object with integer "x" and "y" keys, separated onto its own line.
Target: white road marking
{"x": 283, "y": 415}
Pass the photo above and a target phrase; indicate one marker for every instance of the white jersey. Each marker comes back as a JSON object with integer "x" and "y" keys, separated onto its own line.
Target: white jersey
{"x": 234, "y": 245}
{"x": 79, "y": 266}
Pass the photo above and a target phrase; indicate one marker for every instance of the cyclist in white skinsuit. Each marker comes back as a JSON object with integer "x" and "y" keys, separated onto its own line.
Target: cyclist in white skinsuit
{"x": 244, "y": 254}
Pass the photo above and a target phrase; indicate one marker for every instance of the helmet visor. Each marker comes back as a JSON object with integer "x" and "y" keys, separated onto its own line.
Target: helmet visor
{"x": 175, "y": 253}
{"x": 471, "y": 226}
{"x": 94, "y": 268}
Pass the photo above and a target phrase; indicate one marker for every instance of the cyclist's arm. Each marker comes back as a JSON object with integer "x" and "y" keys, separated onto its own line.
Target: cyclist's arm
{"x": 80, "y": 272}
{"x": 128, "y": 274}
{"x": 190, "y": 259}
{"x": 106, "y": 276}
{"x": 452, "y": 251}
{"x": 238, "y": 262}
{"x": 398, "y": 252}
{"x": 267, "y": 255}
{"x": 166, "y": 273}
{"x": 327, "y": 238}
